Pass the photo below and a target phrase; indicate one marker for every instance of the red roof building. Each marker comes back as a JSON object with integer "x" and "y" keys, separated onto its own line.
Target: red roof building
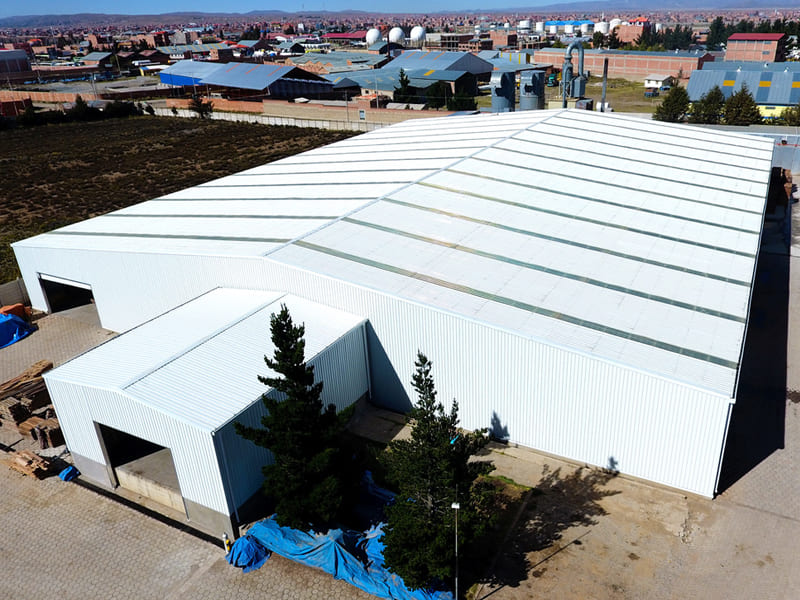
{"x": 758, "y": 47}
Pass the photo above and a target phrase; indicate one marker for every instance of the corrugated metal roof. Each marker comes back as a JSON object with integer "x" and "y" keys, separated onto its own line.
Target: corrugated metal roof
{"x": 605, "y": 51}
{"x": 750, "y": 66}
{"x": 199, "y": 362}
{"x": 637, "y": 244}
{"x": 447, "y": 61}
{"x": 756, "y": 37}
{"x": 777, "y": 88}
{"x": 253, "y": 77}
{"x": 196, "y": 69}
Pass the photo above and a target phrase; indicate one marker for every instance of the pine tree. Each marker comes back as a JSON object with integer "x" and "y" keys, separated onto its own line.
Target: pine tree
{"x": 741, "y": 109}
{"x": 305, "y": 480}
{"x": 430, "y": 471}
{"x": 674, "y": 106}
{"x": 709, "y": 108}
{"x": 402, "y": 94}
{"x": 436, "y": 95}
{"x": 790, "y": 116}
{"x": 716, "y": 33}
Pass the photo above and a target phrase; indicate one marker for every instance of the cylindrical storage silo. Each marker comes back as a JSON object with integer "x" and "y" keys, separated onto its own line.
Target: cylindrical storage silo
{"x": 503, "y": 92}
{"x": 553, "y": 29}
{"x": 531, "y": 90}
{"x": 585, "y": 28}
{"x": 524, "y": 26}
{"x": 659, "y": 27}
{"x": 539, "y": 26}
{"x": 602, "y": 27}
{"x": 615, "y": 23}
{"x": 569, "y": 29}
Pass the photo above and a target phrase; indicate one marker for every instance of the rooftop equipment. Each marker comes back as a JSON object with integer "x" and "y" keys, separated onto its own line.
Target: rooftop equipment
{"x": 503, "y": 92}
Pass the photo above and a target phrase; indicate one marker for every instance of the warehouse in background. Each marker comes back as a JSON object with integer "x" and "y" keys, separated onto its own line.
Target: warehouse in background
{"x": 588, "y": 299}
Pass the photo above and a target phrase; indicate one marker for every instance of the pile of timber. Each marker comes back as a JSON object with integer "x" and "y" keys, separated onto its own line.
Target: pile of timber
{"x": 25, "y": 393}
{"x": 27, "y": 463}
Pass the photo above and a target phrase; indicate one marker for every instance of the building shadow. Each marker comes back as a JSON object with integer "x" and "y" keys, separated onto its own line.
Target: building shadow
{"x": 758, "y": 419}
{"x": 387, "y": 389}
{"x": 557, "y": 503}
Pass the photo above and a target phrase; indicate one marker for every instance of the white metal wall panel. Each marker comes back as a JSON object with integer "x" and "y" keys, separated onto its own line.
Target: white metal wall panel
{"x": 342, "y": 368}
{"x": 548, "y": 397}
{"x": 192, "y": 450}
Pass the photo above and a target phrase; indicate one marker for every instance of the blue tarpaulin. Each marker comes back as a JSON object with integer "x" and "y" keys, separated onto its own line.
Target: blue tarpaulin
{"x": 69, "y": 473}
{"x": 13, "y": 329}
{"x": 354, "y": 557}
{"x": 248, "y": 554}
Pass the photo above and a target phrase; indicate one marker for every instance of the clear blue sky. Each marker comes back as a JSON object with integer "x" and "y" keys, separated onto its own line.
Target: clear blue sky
{"x": 10, "y": 8}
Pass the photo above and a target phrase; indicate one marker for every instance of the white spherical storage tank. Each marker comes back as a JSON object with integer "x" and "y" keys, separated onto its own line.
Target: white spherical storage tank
{"x": 602, "y": 27}
{"x": 373, "y": 35}
{"x": 397, "y": 36}
{"x": 417, "y": 35}
{"x": 615, "y": 23}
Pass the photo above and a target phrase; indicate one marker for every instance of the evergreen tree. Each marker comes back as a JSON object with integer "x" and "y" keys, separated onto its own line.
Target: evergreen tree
{"x": 709, "y": 108}
{"x": 403, "y": 94}
{"x": 790, "y": 116}
{"x": 304, "y": 480}
{"x": 716, "y": 33}
{"x": 430, "y": 471}
{"x": 613, "y": 40}
{"x": 598, "y": 39}
{"x": 436, "y": 95}
{"x": 674, "y": 106}
{"x": 203, "y": 109}
{"x": 741, "y": 109}
{"x": 462, "y": 101}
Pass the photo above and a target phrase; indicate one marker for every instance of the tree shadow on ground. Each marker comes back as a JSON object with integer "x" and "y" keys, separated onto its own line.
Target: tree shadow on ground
{"x": 557, "y": 503}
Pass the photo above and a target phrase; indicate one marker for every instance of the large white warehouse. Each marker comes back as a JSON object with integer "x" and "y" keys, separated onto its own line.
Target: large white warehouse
{"x": 582, "y": 279}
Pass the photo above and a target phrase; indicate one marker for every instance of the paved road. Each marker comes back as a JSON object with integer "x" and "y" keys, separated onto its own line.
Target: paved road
{"x": 63, "y": 541}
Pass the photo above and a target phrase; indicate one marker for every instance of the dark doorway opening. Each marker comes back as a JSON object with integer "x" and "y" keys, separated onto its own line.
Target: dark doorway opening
{"x": 123, "y": 448}
{"x": 62, "y": 296}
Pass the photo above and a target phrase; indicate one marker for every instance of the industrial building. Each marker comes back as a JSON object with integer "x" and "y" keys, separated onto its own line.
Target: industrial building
{"x": 774, "y": 90}
{"x": 238, "y": 80}
{"x": 764, "y": 47}
{"x": 588, "y": 299}
{"x": 633, "y": 64}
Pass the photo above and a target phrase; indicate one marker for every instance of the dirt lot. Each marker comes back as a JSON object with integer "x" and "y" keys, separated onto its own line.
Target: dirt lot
{"x": 56, "y": 175}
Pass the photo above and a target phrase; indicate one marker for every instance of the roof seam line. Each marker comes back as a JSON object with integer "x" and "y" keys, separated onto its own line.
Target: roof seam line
{"x": 387, "y": 194}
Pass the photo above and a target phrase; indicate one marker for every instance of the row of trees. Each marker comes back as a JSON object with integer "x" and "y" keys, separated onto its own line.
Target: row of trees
{"x": 315, "y": 473}
{"x": 712, "y": 108}
{"x": 679, "y": 38}
{"x": 82, "y": 111}
{"x": 719, "y": 31}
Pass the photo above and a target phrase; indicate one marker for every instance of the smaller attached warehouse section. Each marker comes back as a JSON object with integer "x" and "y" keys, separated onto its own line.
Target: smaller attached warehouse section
{"x": 153, "y": 410}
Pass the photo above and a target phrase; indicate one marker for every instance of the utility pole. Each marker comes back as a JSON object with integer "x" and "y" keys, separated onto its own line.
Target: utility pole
{"x": 456, "y": 506}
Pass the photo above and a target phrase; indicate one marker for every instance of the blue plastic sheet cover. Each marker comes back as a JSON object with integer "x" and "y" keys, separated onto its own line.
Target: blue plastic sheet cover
{"x": 248, "y": 554}
{"x": 69, "y": 473}
{"x": 353, "y": 557}
{"x": 13, "y": 329}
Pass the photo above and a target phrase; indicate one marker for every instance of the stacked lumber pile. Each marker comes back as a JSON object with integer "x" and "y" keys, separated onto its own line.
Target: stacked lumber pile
{"x": 25, "y": 393}
{"x": 27, "y": 463}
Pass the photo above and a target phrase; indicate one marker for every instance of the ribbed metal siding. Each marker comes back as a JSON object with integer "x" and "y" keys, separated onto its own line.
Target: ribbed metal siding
{"x": 192, "y": 450}
{"x": 341, "y": 367}
{"x": 551, "y": 399}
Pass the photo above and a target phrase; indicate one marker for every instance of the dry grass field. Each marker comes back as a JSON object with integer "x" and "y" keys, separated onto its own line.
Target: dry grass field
{"x": 55, "y": 175}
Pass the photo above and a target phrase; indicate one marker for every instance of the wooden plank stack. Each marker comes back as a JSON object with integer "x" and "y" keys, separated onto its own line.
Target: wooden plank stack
{"x": 25, "y": 393}
{"x": 27, "y": 463}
